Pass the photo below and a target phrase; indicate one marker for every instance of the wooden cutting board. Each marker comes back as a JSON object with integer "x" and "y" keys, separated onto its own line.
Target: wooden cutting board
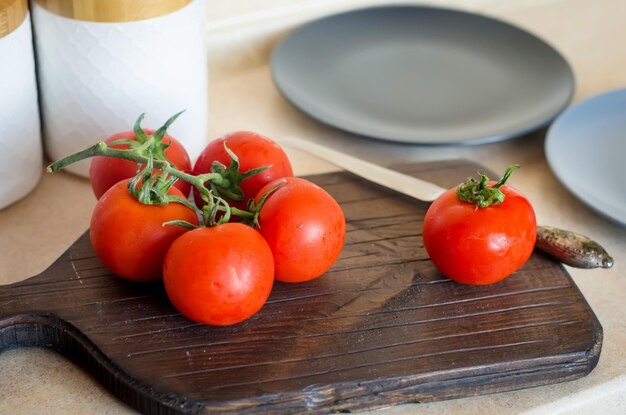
{"x": 382, "y": 327}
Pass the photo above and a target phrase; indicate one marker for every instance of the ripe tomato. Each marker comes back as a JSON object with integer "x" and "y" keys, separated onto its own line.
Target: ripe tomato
{"x": 104, "y": 172}
{"x": 473, "y": 245}
{"x": 253, "y": 151}
{"x": 304, "y": 226}
{"x": 129, "y": 237}
{"x": 219, "y": 275}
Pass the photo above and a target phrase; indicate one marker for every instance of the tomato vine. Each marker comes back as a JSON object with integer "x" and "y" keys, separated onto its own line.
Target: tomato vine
{"x": 155, "y": 175}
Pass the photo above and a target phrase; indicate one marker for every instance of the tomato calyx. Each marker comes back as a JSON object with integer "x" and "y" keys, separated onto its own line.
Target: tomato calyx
{"x": 230, "y": 186}
{"x": 479, "y": 193}
{"x": 148, "y": 145}
{"x": 150, "y": 189}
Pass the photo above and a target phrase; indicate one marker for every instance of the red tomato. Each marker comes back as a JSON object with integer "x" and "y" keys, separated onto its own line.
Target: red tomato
{"x": 219, "y": 275}
{"x": 304, "y": 226}
{"x": 253, "y": 151}
{"x": 104, "y": 172}
{"x": 129, "y": 237}
{"x": 473, "y": 245}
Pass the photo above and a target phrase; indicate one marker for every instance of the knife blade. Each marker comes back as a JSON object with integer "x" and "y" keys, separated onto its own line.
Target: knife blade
{"x": 568, "y": 247}
{"x": 375, "y": 173}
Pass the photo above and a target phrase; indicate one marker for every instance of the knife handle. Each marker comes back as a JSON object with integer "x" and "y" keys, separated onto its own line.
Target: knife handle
{"x": 571, "y": 248}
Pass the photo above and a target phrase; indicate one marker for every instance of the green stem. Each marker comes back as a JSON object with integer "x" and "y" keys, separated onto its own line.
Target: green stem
{"x": 184, "y": 202}
{"x": 224, "y": 191}
{"x": 242, "y": 213}
{"x": 477, "y": 192}
{"x": 509, "y": 171}
{"x": 101, "y": 149}
{"x": 182, "y": 223}
{"x": 140, "y": 134}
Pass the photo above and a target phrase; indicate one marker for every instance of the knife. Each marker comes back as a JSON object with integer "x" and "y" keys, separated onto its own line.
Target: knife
{"x": 568, "y": 247}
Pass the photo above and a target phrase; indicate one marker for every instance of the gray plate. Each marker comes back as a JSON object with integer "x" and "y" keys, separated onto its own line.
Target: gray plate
{"x": 585, "y": 148}
{"x": 422, "y": 75}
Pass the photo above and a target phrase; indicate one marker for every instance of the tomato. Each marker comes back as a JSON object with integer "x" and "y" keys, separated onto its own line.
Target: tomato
{"x": 253, "y": 151}
{"x": 479, "y": 245}
{"x": 304, "y": 226}
{"x": 129, "y": 237}
{"x": 104, "y": 172}
{"x": 219, "y": 275}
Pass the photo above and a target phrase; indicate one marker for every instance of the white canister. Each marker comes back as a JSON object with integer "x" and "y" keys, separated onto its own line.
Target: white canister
{"x": 103, "y": 63}
{"x": 21, "y": 159}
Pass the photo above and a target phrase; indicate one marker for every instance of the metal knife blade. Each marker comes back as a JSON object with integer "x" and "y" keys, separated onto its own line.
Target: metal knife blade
{"x": 565, "y": 246}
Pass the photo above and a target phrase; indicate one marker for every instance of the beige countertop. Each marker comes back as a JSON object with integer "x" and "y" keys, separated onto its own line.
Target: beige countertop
{"x": 590, "y": 34}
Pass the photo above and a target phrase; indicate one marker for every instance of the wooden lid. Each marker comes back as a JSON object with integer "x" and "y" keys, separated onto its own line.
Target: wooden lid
{"x": 12, "y": 14}
{"x": 112, "y": 10}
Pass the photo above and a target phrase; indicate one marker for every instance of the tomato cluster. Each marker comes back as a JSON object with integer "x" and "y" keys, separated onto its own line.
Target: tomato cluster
{"x": 221, "y": 272}
{"x": 252, "y": 223}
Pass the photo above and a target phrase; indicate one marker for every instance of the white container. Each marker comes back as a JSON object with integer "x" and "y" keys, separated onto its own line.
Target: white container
{"x": 103, "y": 63}
{"x": 21, "y": 160}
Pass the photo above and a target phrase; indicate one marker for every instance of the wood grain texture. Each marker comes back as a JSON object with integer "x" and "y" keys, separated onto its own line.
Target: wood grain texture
{"x": 382, "y": 327}
{"x": 112, "y": 11}
{"x": 12, "y": 14}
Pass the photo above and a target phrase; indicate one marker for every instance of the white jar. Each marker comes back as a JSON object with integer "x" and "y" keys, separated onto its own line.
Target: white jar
{"x": 103, "y": 63}
{"x": 21, "y": 160}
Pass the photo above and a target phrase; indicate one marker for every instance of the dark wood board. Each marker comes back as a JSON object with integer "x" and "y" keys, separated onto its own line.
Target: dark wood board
{"x": 382, "y": 327}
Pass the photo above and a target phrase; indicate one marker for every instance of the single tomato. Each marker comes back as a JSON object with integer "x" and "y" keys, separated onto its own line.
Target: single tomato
{"x": 104, "y": 172}
{"x": 219, "y": 275}
{"x": 253, "y": 151}
{"x": 130, "y": 238}
{"x": 304, "y": 226}
{"x": 480, "y": 245}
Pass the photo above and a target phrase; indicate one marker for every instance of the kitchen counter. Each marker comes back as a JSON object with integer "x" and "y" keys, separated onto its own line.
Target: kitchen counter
{"x": 590, "y": 34}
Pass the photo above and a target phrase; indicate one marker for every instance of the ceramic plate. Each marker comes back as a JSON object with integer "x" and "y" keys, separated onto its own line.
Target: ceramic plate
{"x": 422, "y": 75}
{"x": 586, "y": 149}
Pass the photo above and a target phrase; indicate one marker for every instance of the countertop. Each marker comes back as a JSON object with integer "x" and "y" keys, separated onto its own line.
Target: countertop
{"x": 590, "y": 34}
